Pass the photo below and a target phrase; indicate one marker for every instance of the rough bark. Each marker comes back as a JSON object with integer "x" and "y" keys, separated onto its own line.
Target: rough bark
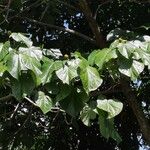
{"x": 132, "y": 100}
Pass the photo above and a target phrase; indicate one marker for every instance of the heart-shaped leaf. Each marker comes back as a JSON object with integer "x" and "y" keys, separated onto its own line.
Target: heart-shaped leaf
{"x": 44, "y": 102}
{"x": 111, "y": 106}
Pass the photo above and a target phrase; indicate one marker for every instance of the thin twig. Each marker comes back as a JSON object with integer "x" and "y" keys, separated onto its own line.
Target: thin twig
{"x": 22, "y": 125}
{"x": 29, "y": 100}
{"x": 67, "y": 4}
{"x": 55, "y": 117}
{"x": 106, "y": 2}
{"x": 15, "y": 110}
{"x": 8, "y": 9}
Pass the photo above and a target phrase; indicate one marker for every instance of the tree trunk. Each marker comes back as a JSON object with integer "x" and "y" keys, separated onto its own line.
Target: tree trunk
{"x": 142, "y": 120}
{"x": 101, "y": 43}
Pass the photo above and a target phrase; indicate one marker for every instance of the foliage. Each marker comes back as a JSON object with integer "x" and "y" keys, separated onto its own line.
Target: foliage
{"x": 64, "y": 67}
{"x": 27, "y": 63}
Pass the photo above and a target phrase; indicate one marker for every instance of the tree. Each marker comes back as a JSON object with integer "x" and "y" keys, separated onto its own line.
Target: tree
{"x": 91, "y": 85}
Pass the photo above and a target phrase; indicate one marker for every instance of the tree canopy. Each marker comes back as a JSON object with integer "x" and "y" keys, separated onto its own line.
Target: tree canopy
{"x": 74, "y": 74}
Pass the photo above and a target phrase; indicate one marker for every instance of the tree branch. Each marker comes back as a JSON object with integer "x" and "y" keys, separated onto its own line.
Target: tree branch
{"x": 113, "y": 89}
{"x": 6, "y": 98}
{"x": 85, "y": 37}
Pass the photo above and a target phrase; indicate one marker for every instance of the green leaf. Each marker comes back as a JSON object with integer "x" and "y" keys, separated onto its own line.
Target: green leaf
{"x": 65, "y": 90}
{"x": 56, "y": 53}
{"x": 23, "y": 87}
{"x": 104, "y": 56}
{"x": 3, "y": 68}
{"x": 47, "y": 70}
{"x": 4, "y": 49}
{"x": 145, "y": 56}
{"x": 44, "y": 102}
{"x": 68, "y": 72}
{"x": 90, "y": 78}
{"x": 34, "y": 52}
{"x": 111, "y": 106}
{"x": 126, "y": 49}
{"x": 52, "y": 87}
{"x": 107, "y": 127}
{"x": 17, "y": 62}
{"x": 130, "y": 68}
{"x": 18, "y": 37}
{"x": 91, "y": 57}
{"x": 58, "y": 64}
{"x": 74, "y": 103}
{"x": 87, "y": 114}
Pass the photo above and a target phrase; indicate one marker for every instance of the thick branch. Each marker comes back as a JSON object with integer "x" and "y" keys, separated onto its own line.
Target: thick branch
{"x": 93, "y": 24}
{"x": 143, "y": 122}
{"x": 87, "y": 38}
{"x": 6, "y": 98}
{"x": 113, "y": 89}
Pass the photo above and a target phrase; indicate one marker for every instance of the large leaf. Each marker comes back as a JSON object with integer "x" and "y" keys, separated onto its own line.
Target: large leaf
{"x": 68, "y": 72}
{"x": 130, "y": 68}
{"x": 4, "y": 49}
{"x": 144, "y": 55}
{"x": 104, "y": 56}
{"x": 47, "y": 70}
{"x": 3, "y": 68}
{"x": 111, "y": 106}
{"x": 74, "y": 103}
{"x": 17, "y": 62}
{"x": 107, "y": 127}
{"x": 56, "y": 53}
{"x": 18, "y": 37}
{"x": 65, "y": 90}
{"x": 44, "y": 102}
{"x": 91, "y": 57}
{"x": 87, "y": 114}
{"x": 126, "y": 49}
{"x": 34, "y": 52}
{"x": 23, "y": 87}
{"x": 90, "y": 78}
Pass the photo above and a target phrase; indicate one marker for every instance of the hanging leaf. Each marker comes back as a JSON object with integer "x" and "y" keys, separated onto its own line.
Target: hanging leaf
{"x": 56, "y": 53}
{"x": 17, "y": 62}
{"x": 74, "y": 103}
{"x": 111, "y": 106}
{"x": 86, "y": 115}
{"x": 18, "y": 37}
{"x": 34, "y": 52}
{"x": 107, "y": 127}
{"x": 90, "y": 78}
{"x": 130, "y": 68}
{"x": 91, "y": 57}
{"x": 126, "y": 49}
{"x": 23, "y": 87}
{"x": 145, "y": 56}
{"x": 3, "y": 68}
{"x": 47, "y": 70}
{"x": 65, "y": 90}
{"x": 104, "y": 56}
{"x": 4, "y": 49}
{"x": 44, "y": 102}
{"x": 52, "y": 87}
{"x": 68, "y": 72}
